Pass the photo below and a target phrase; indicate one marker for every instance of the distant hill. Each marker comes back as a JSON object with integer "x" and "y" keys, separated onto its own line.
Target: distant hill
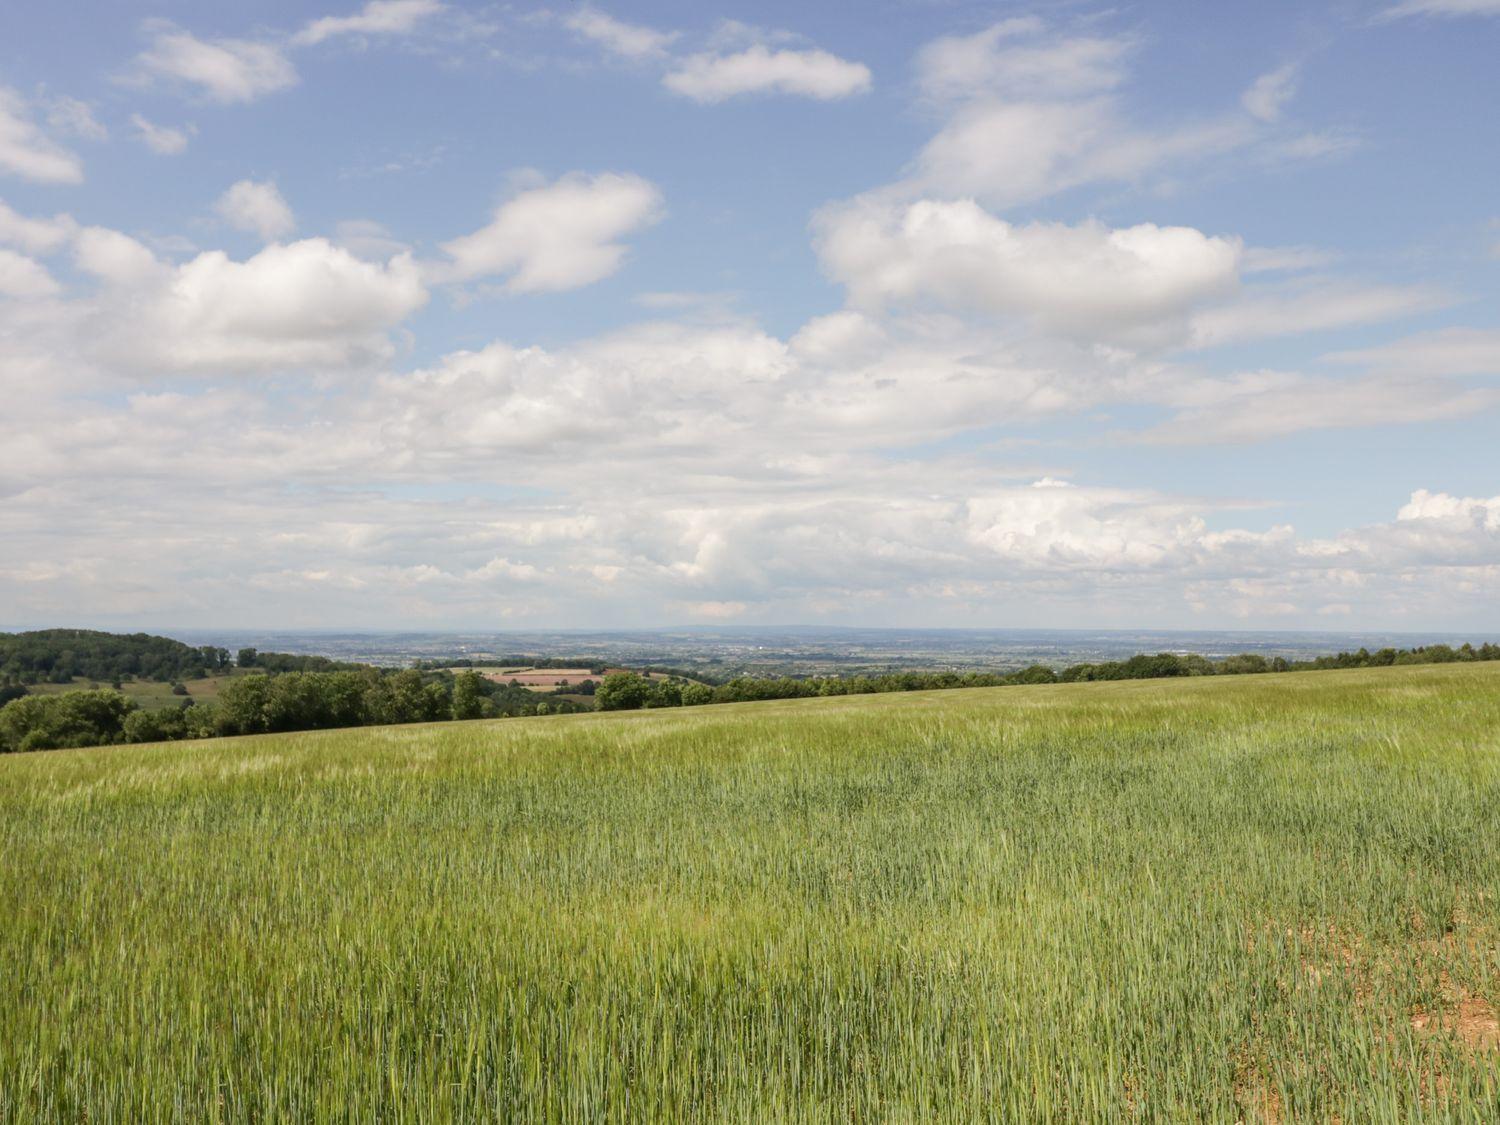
{"x": 61, "y": 655}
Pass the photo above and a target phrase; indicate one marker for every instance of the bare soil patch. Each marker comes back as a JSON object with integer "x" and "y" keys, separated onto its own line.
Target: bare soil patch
{"x": 1471, "y": 1019}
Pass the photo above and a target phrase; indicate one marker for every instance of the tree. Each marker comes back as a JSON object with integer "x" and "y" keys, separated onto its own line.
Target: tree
{"x": 74, "y": 718}
{"x": 242, "y": 705}
{"x": 468, "y": 695}
{"x": 203, "y": 722}
{"x": 403, "y": 697}
{"x": 62, "y": 655}
{"x": 622, "y": 691}
{"x": 214, "y": 658}
{"x": 664, "y": 693}
{"x": 1035, "y": 674}
{"x": 155, "y": 726}
{"x": 245, "y": 658}
{"x": 1244, "y": 664}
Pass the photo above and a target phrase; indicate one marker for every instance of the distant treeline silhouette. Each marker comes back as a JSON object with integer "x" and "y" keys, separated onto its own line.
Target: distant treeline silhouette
{"x": 625, "y": 691}
{"x": 58, "y": 656}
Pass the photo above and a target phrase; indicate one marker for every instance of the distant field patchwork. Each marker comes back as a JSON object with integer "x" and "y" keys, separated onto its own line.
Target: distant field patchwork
{"x": 549, "y": 679}
{"x": 542, "y": 678}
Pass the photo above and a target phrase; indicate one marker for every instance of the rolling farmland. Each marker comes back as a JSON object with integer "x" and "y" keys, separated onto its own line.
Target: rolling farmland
{"x": 1264, "y": 898}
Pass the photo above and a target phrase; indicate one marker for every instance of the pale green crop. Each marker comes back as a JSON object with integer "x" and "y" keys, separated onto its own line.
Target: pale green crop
{"x": 1229, "y": 898}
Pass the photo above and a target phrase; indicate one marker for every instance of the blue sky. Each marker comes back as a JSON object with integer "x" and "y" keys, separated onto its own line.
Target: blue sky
{"x": 423, "y": 314}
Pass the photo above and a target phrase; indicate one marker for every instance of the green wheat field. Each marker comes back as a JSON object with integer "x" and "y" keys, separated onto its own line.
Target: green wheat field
{"x": 1258, "y": 898}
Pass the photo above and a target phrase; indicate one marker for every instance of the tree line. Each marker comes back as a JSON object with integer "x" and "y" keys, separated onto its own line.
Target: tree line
{"x": 628, "y": 691}
{"x": 264, "y": 703}
{"x": 291, "y": 662}
{"x": 59, "y": 656}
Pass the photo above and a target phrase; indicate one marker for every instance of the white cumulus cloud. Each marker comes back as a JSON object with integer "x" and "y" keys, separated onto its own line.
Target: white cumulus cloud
{"x": 1057, "y": 526}
{"x": 307, "y": 304}
{"x": 558, "y": 235}
{"x": 1083, "y": 278}
{"x": 35, "y": 236}
{"x": 630, "y": 41}
{"x": 379, "y": 17}
{"x": 257, "y": 207}
{"x": 26, "y": 151}
{"x": 1269, "y": 93}
{"x": 116, "y": 258}
{"x": 22, "y": 277}
{"x": 1455, "y": 511}
{"x": 226, "y": 70}
{"x": 1006, "y": 153}
{"x": 1027, "y": 112}
{"x": 164, "y": 140}
{"x": 1013, "y": 60}
{"x": 761, "y": 70}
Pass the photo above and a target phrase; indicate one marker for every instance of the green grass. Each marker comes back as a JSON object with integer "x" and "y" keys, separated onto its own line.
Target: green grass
{"x": 152, "y": 695}
{"x": 1219, "y": 899}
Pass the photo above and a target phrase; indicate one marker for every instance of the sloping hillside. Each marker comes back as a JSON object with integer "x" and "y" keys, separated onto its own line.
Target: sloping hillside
{"x": 1266, "y": 897}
